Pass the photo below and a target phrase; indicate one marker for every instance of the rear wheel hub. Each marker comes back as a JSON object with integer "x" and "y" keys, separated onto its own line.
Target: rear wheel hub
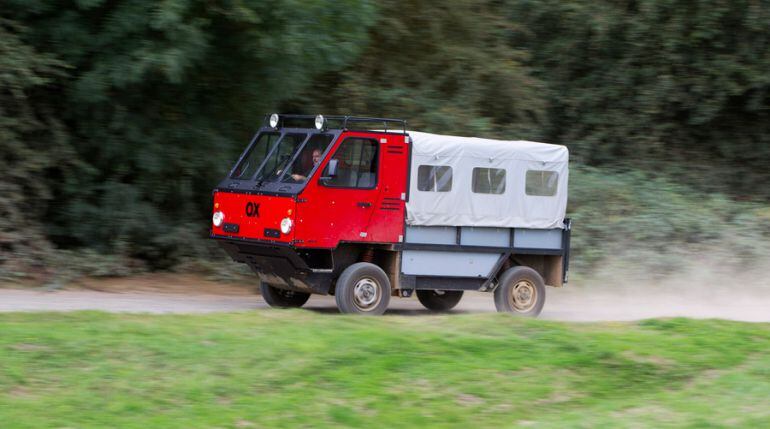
{"x": 366, "y": 294}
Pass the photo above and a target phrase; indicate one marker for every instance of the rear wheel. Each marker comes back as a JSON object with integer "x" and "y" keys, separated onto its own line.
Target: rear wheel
{"x": 282, "y": 298}
{"x": 363, "y": 288}
{"x": 439, "y": 300}
{"x": 521, "y": 291}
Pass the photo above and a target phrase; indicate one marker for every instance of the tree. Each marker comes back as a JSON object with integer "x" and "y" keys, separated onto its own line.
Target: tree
{"x": 658, "y": 83}
{"x": 445, "y": 67}
{"x": 31, "y": 143}
{"x": 163, "y": 95}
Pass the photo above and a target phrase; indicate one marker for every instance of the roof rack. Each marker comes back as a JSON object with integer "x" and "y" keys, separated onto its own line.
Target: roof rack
{"x": 345, "y": 122}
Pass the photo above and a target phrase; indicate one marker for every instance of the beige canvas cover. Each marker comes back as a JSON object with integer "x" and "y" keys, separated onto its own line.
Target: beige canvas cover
{"x": 517, "y": 206}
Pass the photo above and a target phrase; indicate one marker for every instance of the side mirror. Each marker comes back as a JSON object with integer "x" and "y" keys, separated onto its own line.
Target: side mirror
{"x": 330, "y": 171}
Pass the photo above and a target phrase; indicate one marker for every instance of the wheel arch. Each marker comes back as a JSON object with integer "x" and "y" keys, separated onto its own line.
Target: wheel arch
{"x": 550, "y": 268}
{"x": 385, "y": 256}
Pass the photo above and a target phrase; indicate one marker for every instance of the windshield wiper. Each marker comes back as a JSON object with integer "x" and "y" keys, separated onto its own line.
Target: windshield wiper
{"x": 281, "y": 163}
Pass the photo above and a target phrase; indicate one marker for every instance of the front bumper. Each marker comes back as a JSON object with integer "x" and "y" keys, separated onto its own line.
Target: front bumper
{"x": 277, "y": 264}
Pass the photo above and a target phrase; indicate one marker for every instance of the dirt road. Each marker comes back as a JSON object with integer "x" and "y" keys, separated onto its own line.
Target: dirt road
{"x": 567, "y": 304}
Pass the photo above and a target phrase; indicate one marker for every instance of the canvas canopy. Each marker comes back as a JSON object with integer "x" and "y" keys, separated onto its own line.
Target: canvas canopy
{"x": 467, "y": 181}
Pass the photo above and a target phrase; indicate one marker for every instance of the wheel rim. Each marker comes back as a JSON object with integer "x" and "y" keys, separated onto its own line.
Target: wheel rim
{"x": 366, "y": 294}
{"x": 286, "y": 293}
{"x": 523, "y": 296}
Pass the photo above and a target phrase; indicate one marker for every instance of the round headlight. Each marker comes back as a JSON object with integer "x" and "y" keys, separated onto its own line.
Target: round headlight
{"x": 218, "y": 218}
{"x": 320, "y": 122}
{"x": 274, "y": 120}
{"x": 286, "y": 225}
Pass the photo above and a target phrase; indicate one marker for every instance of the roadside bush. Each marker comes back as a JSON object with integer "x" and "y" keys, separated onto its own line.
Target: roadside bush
{"x": 658, "y": 226}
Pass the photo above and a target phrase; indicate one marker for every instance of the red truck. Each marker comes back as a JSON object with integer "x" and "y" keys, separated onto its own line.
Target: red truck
{"x": 363, "y": 209}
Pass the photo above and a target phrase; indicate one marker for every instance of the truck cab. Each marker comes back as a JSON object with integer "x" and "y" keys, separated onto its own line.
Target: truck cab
{"x": 318, "y": 205}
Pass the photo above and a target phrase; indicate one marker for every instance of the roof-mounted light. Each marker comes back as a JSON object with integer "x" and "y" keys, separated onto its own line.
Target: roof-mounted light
{"x": 320, "y": 122}
{"x": 274, "y": 120}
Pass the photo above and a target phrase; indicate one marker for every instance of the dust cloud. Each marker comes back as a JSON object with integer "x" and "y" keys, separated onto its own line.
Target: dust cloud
{"x": 708, "y": 287}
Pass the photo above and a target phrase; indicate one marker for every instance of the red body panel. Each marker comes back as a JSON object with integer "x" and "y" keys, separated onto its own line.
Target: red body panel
{"x": 325, "y": 216}
{"x": 269, "y": 214}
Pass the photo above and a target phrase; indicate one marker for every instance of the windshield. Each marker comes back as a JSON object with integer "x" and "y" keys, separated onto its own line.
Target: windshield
{"x": 307, "y": 159}
{"x": 275, "y": 164}
{"x": 281, "y": 158}
{"x": 254, "y": 158}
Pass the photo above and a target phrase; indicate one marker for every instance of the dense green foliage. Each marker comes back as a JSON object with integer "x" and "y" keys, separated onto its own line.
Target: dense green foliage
{"x": 31, "y": 144}
{"x": 160, "y": 98}
{"x": 117, "y": 118}
{"x": 444, "y": 67}
{"x": 301, "y": 369}
{"x": 656, "y": 82}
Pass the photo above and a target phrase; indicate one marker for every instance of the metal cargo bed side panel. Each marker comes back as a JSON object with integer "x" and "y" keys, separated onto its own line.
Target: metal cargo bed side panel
{"x": 538, "y": 238}
{"x": 431, "y": 234}
{"x": 448, "y": 264}
{"x": 479, "y": 252}
{"x": 484, "y": 236}
{"x": 523, "y": 238}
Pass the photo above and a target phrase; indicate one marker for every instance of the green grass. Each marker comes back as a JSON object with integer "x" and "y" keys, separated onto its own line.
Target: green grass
{"x": 302, "y": 369}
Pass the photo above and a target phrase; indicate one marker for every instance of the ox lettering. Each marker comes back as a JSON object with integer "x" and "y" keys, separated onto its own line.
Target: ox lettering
{"x": 252, "y": 209}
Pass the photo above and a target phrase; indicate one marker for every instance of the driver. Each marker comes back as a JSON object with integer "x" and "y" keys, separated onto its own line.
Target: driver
{"x": 316, "y": 160}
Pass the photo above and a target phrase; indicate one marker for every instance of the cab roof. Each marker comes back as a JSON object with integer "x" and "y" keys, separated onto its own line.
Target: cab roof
{"x": 335, "y": 122}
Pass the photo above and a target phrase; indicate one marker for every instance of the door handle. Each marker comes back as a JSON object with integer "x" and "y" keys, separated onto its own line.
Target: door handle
{"x": 364, "y": 204}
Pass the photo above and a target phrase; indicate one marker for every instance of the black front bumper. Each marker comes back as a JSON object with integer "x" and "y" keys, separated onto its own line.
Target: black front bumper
{"x": 277, "y": 264}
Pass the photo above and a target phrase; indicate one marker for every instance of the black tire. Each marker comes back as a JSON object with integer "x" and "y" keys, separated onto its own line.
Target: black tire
{"x": 282, "y": 298}
{"x": 439, "y": 300}
{"x": 363, "y": 288}
{"x": 521, "y": 291}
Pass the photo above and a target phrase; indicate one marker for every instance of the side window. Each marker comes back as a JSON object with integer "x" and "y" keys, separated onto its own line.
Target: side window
{"x": 541, "y": 183}
{"x": 356, "y": 160}
{"x": 434, "y": 178}
{"x": 488, "y": 180}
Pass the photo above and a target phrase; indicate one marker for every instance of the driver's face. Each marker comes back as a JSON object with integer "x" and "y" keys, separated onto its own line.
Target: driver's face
{"x": 316, "y": 156}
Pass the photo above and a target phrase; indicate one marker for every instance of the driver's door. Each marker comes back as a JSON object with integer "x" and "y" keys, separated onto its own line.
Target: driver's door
{"x": 337, "y": 207}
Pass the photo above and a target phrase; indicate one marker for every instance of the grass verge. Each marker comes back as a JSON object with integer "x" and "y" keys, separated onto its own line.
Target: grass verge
{"x": 302, "y": 369}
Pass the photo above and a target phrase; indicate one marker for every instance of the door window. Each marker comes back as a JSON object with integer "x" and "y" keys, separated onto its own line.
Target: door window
{"x": 356, "y": 160}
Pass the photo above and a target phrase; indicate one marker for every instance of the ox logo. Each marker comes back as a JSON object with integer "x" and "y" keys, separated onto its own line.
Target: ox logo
{"x": 252, "y": 209}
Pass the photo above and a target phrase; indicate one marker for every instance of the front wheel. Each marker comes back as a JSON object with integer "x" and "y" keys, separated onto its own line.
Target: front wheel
{"x": 363, "y": 288}
{"x": 521, "y": 291}
{"x": 439, "y": 300}
{"x": 282, "y": 298}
